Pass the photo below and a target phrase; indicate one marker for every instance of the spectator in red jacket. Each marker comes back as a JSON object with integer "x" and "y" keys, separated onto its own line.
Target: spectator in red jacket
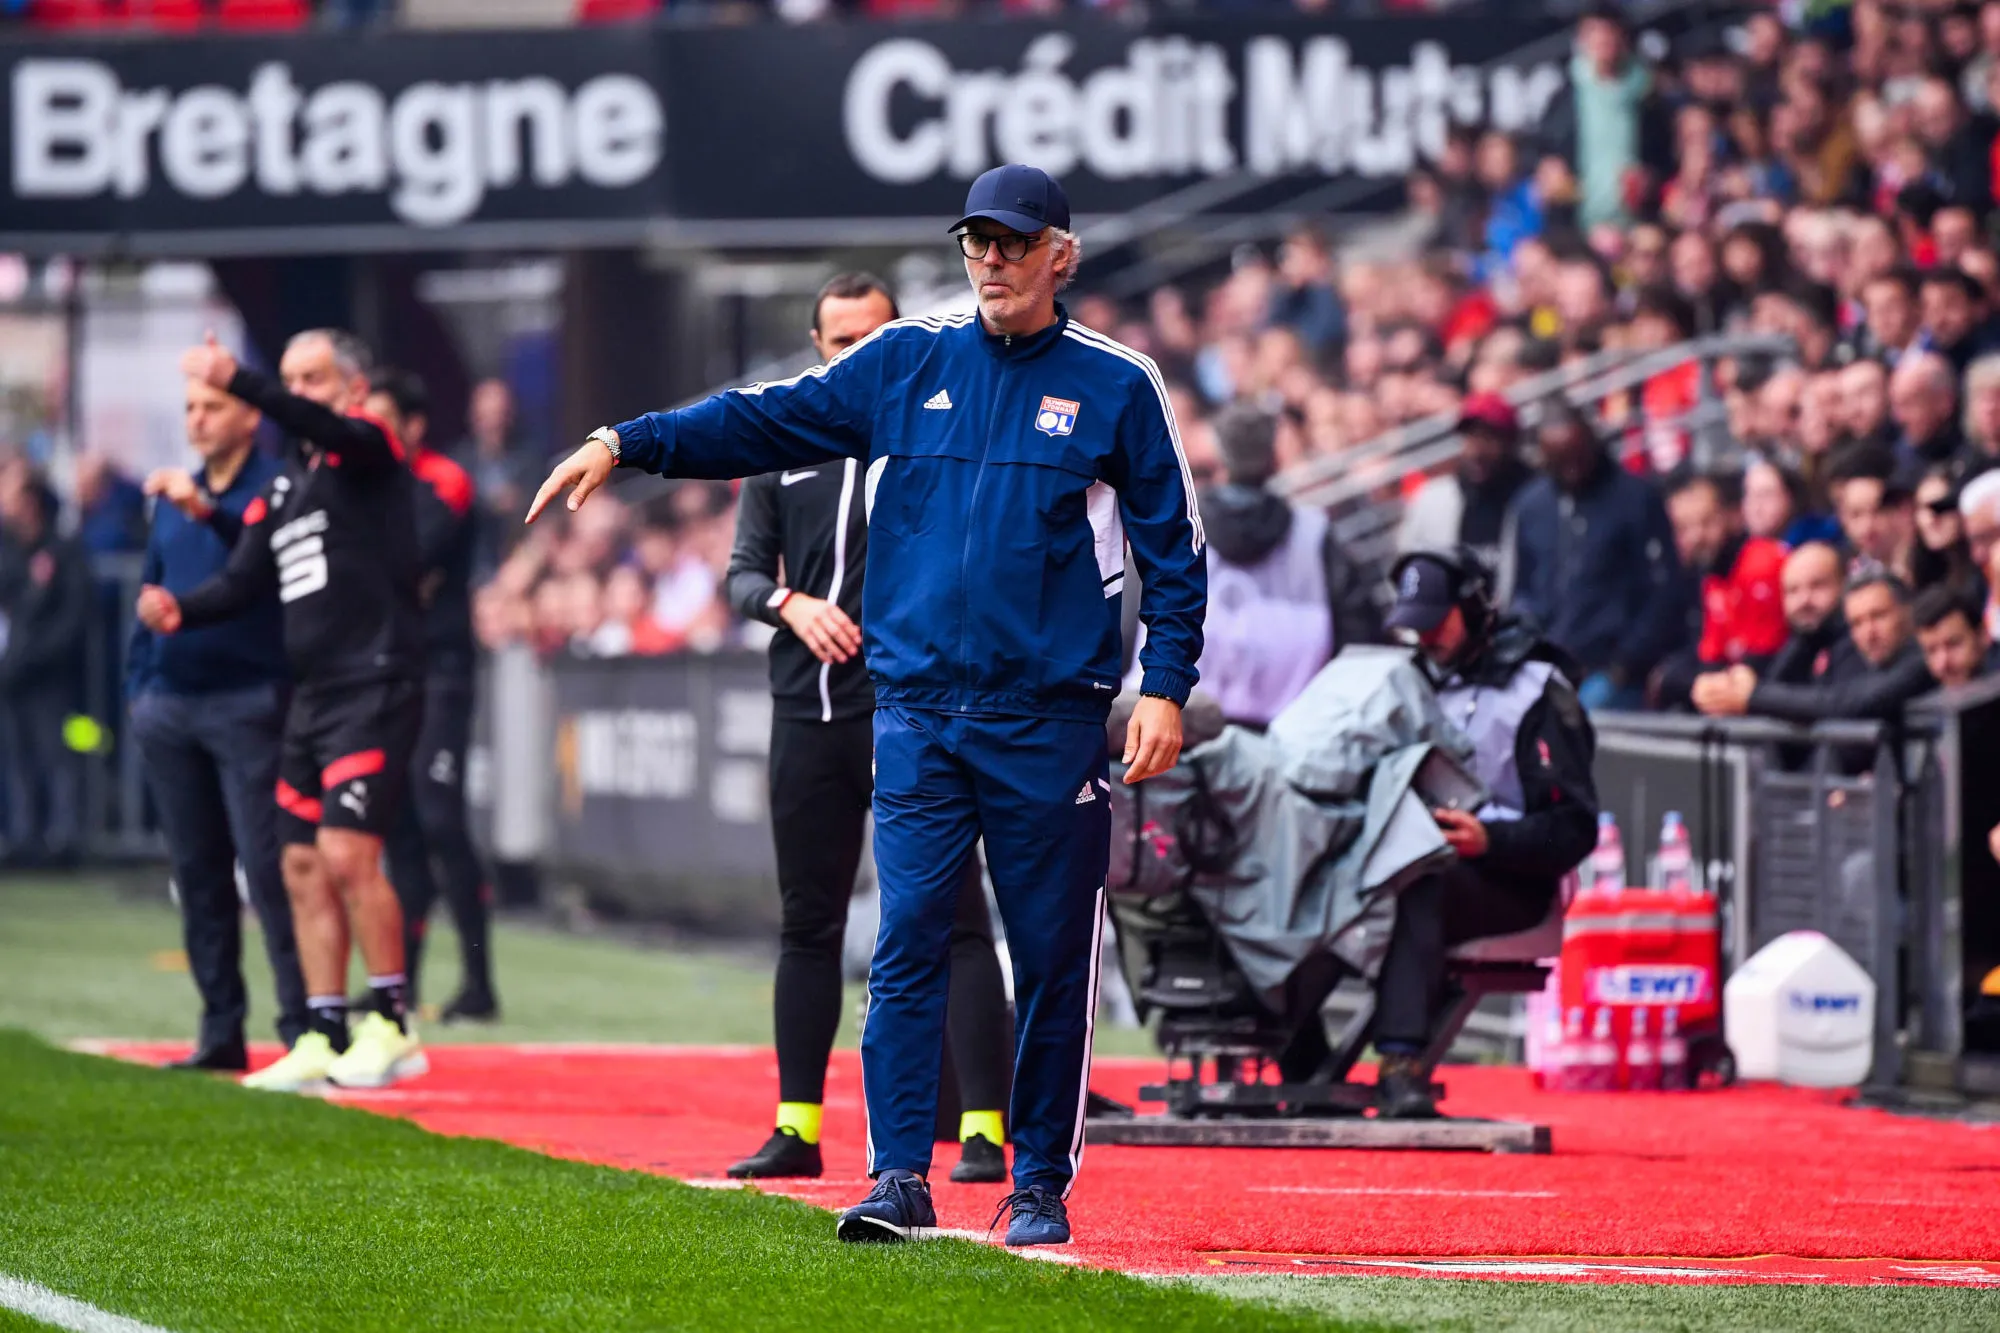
{"x": 1741, "y": 606}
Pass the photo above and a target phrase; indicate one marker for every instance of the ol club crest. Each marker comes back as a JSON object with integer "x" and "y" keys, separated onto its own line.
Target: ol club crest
{"x": 1056, "y": 416}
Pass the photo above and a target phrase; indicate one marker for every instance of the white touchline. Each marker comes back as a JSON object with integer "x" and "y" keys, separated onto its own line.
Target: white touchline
{"x": 52, "y": 1307}
{"x": 1413, "y": 1190}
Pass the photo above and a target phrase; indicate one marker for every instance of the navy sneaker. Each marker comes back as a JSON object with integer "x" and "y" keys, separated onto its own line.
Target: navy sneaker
{"x": 897, "y": 1209}
{"x": 1039, "y": 1217}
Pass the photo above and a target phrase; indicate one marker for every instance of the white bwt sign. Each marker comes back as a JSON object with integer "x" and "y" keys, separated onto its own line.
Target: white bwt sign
{"x": 434, "y": 148}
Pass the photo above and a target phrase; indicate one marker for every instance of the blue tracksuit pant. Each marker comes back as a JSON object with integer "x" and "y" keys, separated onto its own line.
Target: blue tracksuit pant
{"x": 1037, "y": 791}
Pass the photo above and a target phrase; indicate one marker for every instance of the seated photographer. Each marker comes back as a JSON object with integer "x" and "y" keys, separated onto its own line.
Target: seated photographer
{"x": 1513, "y": 693}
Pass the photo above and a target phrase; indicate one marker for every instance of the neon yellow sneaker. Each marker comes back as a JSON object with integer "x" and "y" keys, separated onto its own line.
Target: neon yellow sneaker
{"x": 304, "y": 1066}
{"x": 379, "y": 1055}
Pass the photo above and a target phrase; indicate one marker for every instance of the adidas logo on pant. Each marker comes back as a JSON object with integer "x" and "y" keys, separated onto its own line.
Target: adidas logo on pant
{"x": 1086, "y": 796}
{"x": 938, "y": 402}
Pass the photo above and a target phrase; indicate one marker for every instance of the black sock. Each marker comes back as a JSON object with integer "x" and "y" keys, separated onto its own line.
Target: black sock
{"x": 413, "y": 956}
{"x": 327, "y": 1014}
{"x": 386, "y": 997}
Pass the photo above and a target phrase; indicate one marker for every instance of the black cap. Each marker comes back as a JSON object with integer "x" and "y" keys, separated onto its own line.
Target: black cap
{"x": 1024, "y": 198}
{"x": 1423, "y": 596}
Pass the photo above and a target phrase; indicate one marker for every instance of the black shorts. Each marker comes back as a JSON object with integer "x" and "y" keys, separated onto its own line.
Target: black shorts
{"x": 345, "y": 759}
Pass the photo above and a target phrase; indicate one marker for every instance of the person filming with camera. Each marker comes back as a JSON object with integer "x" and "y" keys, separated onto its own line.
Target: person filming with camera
{"x": 1512, "y": 692}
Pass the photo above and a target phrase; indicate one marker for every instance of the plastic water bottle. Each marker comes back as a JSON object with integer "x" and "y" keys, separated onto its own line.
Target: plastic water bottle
{"x": 1676, "y": 859}
{"x": 1642, "y": 1055}
{"x": 1673, "y": 1052}
{"x": 1570, "y": 1075}
{"x": 1607, "y": 862}
{"x": 1546, "y": 1060}
{"x": 1600, "y": 1056}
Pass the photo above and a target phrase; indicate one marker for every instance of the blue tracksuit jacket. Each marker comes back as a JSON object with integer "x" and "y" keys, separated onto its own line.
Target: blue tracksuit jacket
{"x": 1004, "y": 476}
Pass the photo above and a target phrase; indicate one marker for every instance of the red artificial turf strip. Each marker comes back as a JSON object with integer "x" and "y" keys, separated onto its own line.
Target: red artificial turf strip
{"x": 1747, "y": 1171}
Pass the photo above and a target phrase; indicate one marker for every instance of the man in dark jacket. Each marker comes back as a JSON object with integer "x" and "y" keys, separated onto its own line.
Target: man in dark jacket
{"x": 1955, "y": 317}
{"x": 1533, "y": 745}
{"x": 1474, "y": 504}
{"x": 208, "y": 707}
{"x": 1885, "y": 671}
{"x": 1959, "y": 146}
{"x": 1284, "y": 596}
{"x": 431, "y": 850}
{"x": 1596, "y": 566}
{"x": 1956, "y": 647}
{"x": 46, "y": 595}
{"x": 1923, "y": 398}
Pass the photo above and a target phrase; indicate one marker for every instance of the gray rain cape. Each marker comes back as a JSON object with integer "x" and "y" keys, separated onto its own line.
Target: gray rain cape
{"x": 1295, "y": 843}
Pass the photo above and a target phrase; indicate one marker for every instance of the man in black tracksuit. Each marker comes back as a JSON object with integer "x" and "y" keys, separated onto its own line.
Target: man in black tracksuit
{"x": 809, "y": 527}
{"x": 431, "y": 848}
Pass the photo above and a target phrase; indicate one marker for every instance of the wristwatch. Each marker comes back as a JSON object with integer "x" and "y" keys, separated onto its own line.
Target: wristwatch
{"x": 607, "y": 437}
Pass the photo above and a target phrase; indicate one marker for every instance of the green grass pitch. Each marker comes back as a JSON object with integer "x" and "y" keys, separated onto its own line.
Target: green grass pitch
{"x": 193, "y": 1205}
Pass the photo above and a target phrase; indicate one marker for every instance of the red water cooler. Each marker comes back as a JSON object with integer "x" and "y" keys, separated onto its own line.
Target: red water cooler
{"x": 1640, "y": 992}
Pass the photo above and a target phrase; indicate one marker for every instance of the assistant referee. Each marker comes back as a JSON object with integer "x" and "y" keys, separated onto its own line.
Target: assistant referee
{"x": 1010, "y": 457}
{"x": 809, "y": 527}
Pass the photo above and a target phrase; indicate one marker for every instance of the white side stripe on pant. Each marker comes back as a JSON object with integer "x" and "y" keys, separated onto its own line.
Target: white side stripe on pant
{"x": 52, "y": 1307}
{"x": 1089, "y": 1040}
{"x": 839, "y": 577}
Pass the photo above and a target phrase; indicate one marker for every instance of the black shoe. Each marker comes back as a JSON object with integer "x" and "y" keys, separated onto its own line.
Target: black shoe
{"x": 471, "y": 1006}
{"x": 783, "y": 1154}
{"x": 1403, "y": 1090}
{"x": 223, "y": 1057}
{"x": 981, "y": 1161}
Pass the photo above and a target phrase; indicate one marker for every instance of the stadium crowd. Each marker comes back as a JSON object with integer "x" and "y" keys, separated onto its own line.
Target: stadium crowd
{"x": 1836, "y": 190}
{"x": 265, "y": 15}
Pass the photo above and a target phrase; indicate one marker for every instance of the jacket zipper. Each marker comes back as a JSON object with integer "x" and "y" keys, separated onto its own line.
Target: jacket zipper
{"x": 972, "y": 514}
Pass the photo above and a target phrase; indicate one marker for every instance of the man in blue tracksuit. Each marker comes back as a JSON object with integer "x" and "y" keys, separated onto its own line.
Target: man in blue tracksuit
{"x": 1010, "y": 457}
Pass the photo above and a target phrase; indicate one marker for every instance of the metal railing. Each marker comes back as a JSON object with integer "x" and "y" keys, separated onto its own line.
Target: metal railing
{"x": 1833, "y": 828}
{"x": 118, "y": 821}
{"x": 1362, "y": 487}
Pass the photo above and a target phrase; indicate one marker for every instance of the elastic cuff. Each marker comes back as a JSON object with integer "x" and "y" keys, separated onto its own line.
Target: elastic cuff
{"x": 1168, "y": 682}
{"x": 638, "y": 447}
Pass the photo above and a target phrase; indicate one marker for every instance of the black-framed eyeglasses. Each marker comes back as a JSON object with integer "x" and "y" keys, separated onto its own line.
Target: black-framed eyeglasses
{"x": 1013, "y": 246}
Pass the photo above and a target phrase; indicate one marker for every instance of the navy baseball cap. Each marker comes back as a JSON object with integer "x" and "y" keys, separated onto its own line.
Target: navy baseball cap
{"x": 1423, "y": 596}
{"x": 1024, "y": 198}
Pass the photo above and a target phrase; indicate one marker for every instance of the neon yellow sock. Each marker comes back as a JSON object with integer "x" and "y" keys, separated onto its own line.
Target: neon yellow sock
{"x": 988, "y": 1123}
{"x": 802, "y": 1118}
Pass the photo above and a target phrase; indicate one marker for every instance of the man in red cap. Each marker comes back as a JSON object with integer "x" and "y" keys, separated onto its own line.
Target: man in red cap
{"x": 1472, "y": 505}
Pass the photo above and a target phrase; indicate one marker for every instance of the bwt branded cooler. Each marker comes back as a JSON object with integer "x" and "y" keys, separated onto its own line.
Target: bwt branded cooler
{"x": 1641, "y": 991}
